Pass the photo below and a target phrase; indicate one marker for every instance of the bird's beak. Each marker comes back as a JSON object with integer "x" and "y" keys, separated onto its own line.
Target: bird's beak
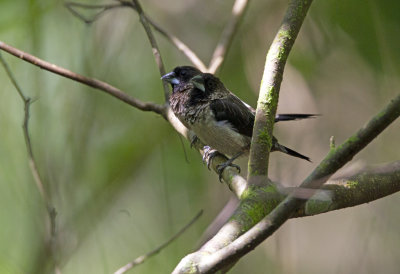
{"x": 198, "y": 82}
{"x": 171, "y": 78}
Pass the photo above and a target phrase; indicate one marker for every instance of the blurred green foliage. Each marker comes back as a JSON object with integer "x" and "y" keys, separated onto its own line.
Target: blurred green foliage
{"x": 118, "y": 177}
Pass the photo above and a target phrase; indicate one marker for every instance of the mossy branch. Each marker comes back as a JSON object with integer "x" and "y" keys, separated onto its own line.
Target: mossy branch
{"x": 269, "y": 90}
{"x": 215, "y": 258}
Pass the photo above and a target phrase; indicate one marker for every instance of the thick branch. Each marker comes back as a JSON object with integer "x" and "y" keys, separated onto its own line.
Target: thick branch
{"x": 365, "y": 186}
{"x": 252, "y": 198}
{"x": 269, "y": 91}
{"x": 362, "y": 187}
{"x": 335, "y": 159}
{"x": 113, "y": 91}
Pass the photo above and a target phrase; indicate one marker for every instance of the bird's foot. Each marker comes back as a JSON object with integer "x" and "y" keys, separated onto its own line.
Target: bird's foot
{"x": 208, "y": 155}
{"x": 221, "y": 167}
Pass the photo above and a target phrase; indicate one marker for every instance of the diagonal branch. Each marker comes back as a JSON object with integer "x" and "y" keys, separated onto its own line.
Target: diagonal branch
{"x": 142, "y": 258}
{"x": 97, "y": 84}
{"x": 236, "y": 183}
{"x": 190, "y": 54}
{"x": 51, "y": 211}
{"x": 366, "y": 185}
{"x": 227, "y": 35}
{"x": 27, "y": 103}
{"x": 335, "y": 159}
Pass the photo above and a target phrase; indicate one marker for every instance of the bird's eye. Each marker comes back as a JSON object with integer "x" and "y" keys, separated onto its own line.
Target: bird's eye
{"x": 183, "y": 72}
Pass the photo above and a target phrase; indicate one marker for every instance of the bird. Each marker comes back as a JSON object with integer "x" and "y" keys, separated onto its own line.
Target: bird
{"x": 220, "y": 119}
{"x": 180, "y": 77}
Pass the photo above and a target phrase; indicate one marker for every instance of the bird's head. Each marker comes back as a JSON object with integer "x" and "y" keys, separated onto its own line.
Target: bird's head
{"x": 180, "y": 76}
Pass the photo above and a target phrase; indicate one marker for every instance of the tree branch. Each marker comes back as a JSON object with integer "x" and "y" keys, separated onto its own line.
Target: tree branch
{"x": 143, "y": 258}
{"x": 153, "y": 43}
{"x": 51, "y": 211}
{"x": 190, "y": 54}
{"x": 97, "y": 84}
{"x": 227, "y": 35}
{"x": 206, "y": 262}
{"x": 103, "y": 8}
{"x": 367, "y": 185}
{"x": 235, "y": 182}
{"x": 278, "y": 53}
{"x": 230, "y": 175}
{"x": 258, "y": 185}
{"x": 27, "y": 102}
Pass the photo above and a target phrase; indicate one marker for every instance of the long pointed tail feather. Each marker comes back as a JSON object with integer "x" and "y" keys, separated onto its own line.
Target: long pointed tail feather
{"x": 293, "y": 116}
{"x": 291, "y": 152}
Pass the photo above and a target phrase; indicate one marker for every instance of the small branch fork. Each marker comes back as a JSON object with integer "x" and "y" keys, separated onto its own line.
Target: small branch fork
{"x": 220, "y": 50}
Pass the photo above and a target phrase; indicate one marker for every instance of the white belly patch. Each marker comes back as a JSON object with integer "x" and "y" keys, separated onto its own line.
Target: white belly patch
{"x": 221, "y": 136}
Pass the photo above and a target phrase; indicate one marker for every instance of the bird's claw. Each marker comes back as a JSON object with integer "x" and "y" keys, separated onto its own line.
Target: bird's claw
{"x": 209, "y": 153}
{"x": 221, "y": 168}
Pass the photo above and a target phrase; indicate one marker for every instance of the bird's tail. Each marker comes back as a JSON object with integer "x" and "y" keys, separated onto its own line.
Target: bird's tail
{"x": 294, "y": 116}
{"x": 290, "y": 152}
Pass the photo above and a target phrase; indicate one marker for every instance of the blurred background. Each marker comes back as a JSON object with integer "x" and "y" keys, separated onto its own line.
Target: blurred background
{"x": 119, "y": 178}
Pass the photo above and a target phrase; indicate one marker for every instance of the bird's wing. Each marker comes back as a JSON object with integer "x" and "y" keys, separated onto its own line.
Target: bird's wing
{"x": 235, "y": 112}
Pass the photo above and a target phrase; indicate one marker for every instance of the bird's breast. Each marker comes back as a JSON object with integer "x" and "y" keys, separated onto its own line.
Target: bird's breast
{"x": 199, "y": 118}
{"x": 219, "y": 135}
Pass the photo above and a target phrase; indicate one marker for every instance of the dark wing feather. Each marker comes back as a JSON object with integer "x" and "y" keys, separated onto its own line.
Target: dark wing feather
{"x": 235, "y": 112}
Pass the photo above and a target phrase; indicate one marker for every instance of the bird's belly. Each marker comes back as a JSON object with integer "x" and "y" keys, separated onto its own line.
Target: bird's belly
{"x": 221, "y": 136}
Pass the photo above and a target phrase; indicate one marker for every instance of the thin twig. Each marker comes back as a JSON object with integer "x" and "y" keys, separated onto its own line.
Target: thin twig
{"x": 113, "y": 91}
{"x": 142, "y": 258}
{"x": 102, "y": 9}
{"x": 227, "y": 35}
{"x": 153, "y": 43}
{"x": 51, "y": 211}
{"x": 179, "y": 45}
{"x": 27, "y": 102}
